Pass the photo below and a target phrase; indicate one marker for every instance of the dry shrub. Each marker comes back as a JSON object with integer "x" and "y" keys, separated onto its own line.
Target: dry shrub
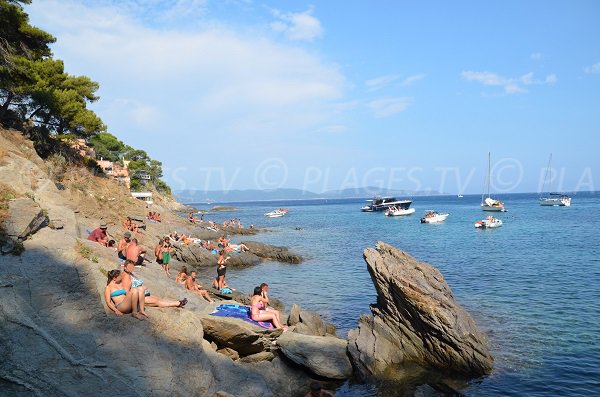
{"x": 6, "y": 194}
{"x": 57, "y": 167}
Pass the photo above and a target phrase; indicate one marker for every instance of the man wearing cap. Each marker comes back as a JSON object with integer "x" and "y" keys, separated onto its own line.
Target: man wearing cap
{"x": 99, "y": 235}
{"x": 122, "y": 246}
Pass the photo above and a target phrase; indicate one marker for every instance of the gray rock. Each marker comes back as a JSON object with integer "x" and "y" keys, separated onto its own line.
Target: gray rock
{"x": 258, "y": 357}
{"x": 294, "y": 317}
{"x": 330, "y": 329}
{"x": 416, "y": 319}
{"x": 279, "y": 254}
{"x": 313, "y": 323}
{"x": 239, "y": 335}
{"x": 25, "y": 217}
{"x": 324, "y": 356}
{"x": 232, "y": 354}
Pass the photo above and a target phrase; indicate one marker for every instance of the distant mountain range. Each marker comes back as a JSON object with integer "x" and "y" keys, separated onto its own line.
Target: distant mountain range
{"x": 218, "y": 196}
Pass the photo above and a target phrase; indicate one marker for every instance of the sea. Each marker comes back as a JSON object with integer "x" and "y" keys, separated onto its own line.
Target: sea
{"x": 532, "y": 285}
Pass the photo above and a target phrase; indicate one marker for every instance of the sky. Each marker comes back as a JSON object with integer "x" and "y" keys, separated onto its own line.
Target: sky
{"x": 327, "y": 95}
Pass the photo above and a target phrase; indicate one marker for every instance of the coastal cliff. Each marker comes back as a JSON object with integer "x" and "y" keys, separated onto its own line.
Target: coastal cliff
{"x": 58, "y": 338}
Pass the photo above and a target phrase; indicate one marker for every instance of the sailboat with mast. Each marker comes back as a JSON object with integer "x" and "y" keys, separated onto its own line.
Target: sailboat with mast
{"x": 553, "y": 199}
{"x": 488, "y": 203}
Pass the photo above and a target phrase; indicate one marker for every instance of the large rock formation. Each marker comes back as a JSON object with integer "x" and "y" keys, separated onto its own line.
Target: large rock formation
{"x": 279, "y": 254}
{"x": 416, "y": 319}
{"x": 324, "y": 356}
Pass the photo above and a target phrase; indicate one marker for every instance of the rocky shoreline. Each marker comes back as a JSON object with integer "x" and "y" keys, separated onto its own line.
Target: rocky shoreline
{"x": 58, "y": 337}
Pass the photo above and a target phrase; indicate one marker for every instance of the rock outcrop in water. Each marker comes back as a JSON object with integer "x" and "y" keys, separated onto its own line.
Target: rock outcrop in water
{"x": 416, "y": 319}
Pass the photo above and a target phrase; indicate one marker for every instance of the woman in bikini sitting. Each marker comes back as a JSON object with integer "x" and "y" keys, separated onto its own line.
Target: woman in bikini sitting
{"x": 119, "y": 300}
{"x": 182, "y": 275}
{"x": 256, "y": 303}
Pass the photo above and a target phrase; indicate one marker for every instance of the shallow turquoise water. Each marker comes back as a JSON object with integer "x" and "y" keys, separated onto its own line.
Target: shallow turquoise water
{"x": 532, "y": 285}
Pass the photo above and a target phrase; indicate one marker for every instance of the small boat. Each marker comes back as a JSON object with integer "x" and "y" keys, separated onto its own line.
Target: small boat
{"x": 434, "y": 217}
{"x": 395, "y": 211}
{"x": 383, "y": 203}
{"x": 277, "y": 213}
{"x": 553, "y": 199}
{"x": 460, "y": 196}
{"x": 488, "y": 223}
{"x": 490, "y": 204}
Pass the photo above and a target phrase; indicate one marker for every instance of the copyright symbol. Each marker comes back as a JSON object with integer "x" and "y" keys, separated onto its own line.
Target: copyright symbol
{"x": 271, "y": 174}
{"x": 507, "y": 175}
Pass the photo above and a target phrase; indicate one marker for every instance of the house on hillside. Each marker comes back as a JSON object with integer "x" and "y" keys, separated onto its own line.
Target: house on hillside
{"x": 116, "y": 171}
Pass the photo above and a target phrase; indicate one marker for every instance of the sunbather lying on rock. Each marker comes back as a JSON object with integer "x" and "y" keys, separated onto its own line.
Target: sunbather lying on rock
{"x": 131, "y": 282}
{"x": 191, "y": 285}
{"x": 256, "y": 304}
{"x": 120, "y": 300}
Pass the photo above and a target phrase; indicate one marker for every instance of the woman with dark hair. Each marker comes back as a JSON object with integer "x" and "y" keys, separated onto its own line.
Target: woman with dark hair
{"x": 256, "y": 314}
{"x": 182, "y": 275}
{"x": 119, "y": 300}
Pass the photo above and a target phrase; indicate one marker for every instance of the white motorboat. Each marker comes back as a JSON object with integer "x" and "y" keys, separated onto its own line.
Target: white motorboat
{"x": 277, "y": 213}
{"x": 434, "y": 217}
{"x": 383, "y": 203}
{"x": 490, "y": 204}
{"x": 395, "y": 211}
{"x": 553, "y": 199}
{"x": 488, "y": 223}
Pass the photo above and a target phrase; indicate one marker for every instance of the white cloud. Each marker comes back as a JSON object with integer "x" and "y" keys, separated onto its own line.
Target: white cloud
{"x": 381, "y": 82}
{"x": 595, "y": 68}
{"x": 413, "y": 79}
{"x": 536, "y": 56}
{"x": 297, "y": 26}
{"x": 229, "y": 81}
{"x": 511, "y": 85}
{"x": 385, "y": 107}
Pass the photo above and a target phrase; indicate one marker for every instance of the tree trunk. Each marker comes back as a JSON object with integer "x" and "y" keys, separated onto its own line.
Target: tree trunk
{"x": 6, "y": 104}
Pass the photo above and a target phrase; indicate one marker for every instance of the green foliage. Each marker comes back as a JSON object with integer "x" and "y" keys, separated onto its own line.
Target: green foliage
{"x": 34, "y": 88}
{"x": 108, "y": 147}
{"x": 18, "y": 248}
{"x": 83, "y": 250}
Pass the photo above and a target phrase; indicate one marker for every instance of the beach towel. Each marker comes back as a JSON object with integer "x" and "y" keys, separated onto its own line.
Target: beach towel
{"x": 238, "y": 311}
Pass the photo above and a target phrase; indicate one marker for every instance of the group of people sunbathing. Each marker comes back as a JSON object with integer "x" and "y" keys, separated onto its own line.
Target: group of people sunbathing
{"x": 153, "y": 216}
{"x": 126, "y": 294}
{"x": 133, "y": 227}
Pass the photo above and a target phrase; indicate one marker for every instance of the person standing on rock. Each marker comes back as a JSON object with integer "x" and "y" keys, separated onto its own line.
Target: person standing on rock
{"x": 120, "y": 300}
{"x": 135, "y": 253}
{"x": 162, "y": 251}
{"x": 221, "y": 270}
{"x": 122, "y": 246}
{"x": 99, "y": 235}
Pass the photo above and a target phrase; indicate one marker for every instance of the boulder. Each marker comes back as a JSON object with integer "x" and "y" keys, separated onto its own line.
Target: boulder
{"x": 416, "y": 319}
{"x": 241, "y": 336}
{"x": 229, "y": 353}
{"x": 258, "y": 357}
{"x": 25, "y": 217}
{"x": 294, "y": 317}
{"x": 195, "y": 254}
{"x": 324, "y": 356}
{"x": 313, "y": 323}
{"x": 271, "y": 252}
